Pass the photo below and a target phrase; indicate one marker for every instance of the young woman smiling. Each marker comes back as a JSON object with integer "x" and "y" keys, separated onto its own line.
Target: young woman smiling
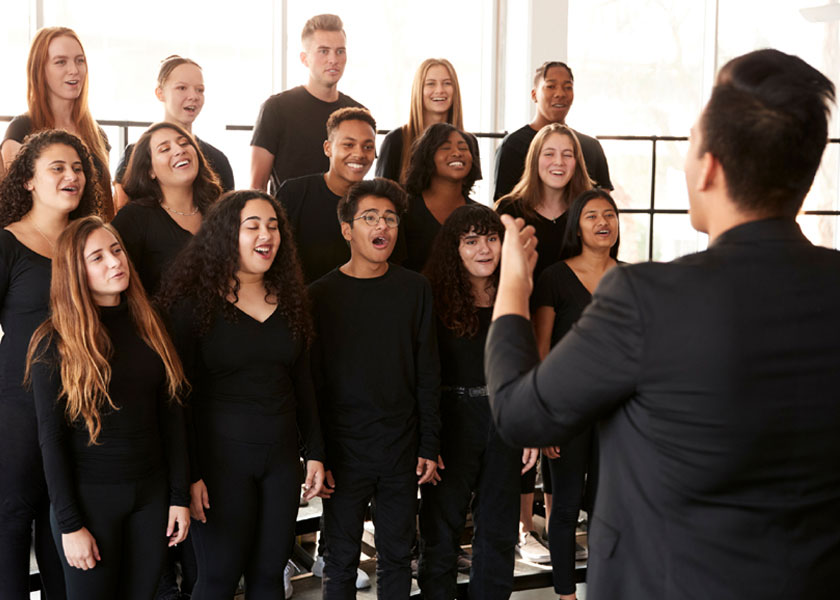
{"x": 435, "y": 98}
{"x": 56, "y": 94}
{"x": 171, "y": 188}
{"x": 106, "y": 381}
{"x": 180, "y": 88}
{"x": 50, "y": 182}
{"x": 590, "y": 247}
{"x": 440, "y": 176}
{"x": 240, "y": 318}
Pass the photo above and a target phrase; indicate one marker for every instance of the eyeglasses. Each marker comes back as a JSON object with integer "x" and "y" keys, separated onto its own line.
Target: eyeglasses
{"x": 372, "y": 219}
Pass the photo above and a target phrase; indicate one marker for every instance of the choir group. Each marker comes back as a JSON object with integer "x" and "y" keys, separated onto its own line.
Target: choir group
{"x": 173, "y": 348}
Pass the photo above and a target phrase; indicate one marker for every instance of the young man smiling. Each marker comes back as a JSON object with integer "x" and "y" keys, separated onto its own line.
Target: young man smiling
{"x": 290, "y": 127}
{"x": 376, "y": 371}
{"x": 553, "y": 93}
{"x": 310, "y": 201}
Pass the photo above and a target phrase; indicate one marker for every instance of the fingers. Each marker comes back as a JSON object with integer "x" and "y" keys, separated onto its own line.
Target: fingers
{"x": 426, "y": 471}
{"x": 182, "y": 518}
{"x": 529, "y": 459}
{"x": 314, "y": 479}
{"x": 440, "y": 462}
{"x": 199, "y": 500}
{"x": 170, "y": 525}
{"x": 329, "y": 485}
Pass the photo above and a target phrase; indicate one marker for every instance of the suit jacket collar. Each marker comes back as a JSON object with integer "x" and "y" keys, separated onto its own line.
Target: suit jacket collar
{"x": 764, "y": 230}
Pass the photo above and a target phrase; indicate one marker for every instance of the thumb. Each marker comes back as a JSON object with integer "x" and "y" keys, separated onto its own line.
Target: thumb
{"x": 95, "y": 550}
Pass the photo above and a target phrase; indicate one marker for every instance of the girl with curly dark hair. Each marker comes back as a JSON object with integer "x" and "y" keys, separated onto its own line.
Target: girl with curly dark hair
{"x": 443, "y": 168}
{"x": 240, "y": 319}
{"x": 50, "y": 181}
{"x": 170, "y": 187}
{"x": 464, "y": 272}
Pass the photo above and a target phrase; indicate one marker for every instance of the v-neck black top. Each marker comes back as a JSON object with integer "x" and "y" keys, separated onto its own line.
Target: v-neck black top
{"x": 152, "y": 239}
{"x": 559, "y": 288}
{"x": 549, "y": 233}
{"x": 246, "y": 377}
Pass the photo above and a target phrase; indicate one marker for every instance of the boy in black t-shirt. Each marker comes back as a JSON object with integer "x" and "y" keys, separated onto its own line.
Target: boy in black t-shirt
{"x": 310, "y": 201}
{"x": 377, "y": 376}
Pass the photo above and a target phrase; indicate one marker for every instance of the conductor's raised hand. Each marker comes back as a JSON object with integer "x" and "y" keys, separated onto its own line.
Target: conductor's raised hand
{"x": 516, "y": 279}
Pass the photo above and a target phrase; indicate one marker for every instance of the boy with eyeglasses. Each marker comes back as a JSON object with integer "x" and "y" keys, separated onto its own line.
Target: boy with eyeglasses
{"x": 377, "y": 373}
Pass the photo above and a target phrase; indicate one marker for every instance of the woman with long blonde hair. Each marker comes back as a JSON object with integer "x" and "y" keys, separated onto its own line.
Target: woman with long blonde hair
{"x": 555, "y": 174}
{"x": 106, "y": 381}
{"x": 49, "y": 183}
{"x": 435, "y": 98}
{"x": 57, "y": 98}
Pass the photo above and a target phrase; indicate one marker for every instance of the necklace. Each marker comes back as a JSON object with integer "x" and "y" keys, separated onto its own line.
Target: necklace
{"x": 43, "y": 235}
{"x": 178, "y": 212}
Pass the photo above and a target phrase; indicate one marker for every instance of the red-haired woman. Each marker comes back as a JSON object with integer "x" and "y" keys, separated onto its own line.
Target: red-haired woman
{"x": 56, "y": 93}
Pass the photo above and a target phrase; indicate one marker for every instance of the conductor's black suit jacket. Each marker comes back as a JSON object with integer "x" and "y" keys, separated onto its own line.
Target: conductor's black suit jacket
{"x": 717, "y": 379}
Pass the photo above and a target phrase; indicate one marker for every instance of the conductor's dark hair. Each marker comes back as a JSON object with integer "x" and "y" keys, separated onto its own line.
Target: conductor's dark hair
{"x": 378, "y": 186}
{"x": 421, "y": 167}
{"x": 767, "y": 124}
{"x": 572, "y": 245}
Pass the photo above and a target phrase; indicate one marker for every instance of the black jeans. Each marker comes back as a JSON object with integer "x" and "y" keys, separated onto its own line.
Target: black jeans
{"x": 477, "y": 464}
{"x": 128, "y": 522}
{"x": 568, "y": 477}
{"x": 395, "y": 496}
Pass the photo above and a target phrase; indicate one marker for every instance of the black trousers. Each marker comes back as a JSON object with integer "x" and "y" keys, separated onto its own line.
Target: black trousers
{"x": 24, "y": 500}
{"x": 254, "y": 492}
{"x": 395, "y": 498}
{"x": 480, "y": 465}
{"x": 568, "y": 477}
{"x": 128, "y": 522}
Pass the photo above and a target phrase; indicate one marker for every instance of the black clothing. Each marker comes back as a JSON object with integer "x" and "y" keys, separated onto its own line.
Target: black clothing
{"x": 549, "y": 233}
{"x": 117, "y": 488}
{"x": 143, "y": 436}
{"x": 128, "y": 521}
{"x": 419, "y": 228}
{"x": 216, "y": 160}
{"x": 375, "y": 364}
{"x": 24, "y": 304}
{"x": 292, "y": 126}
{"x": 717, "y": 390}
{"x": 481, "y": 471}
{"x": 311, "y": 208}
{"x": 389, "y": 159}
{"x": 510, "y": 160}
{"x": 559, "y": 288}
{"x": 395, "y": 497}
{"x": 251, "y": 399}
{"x": 152, "y": 239}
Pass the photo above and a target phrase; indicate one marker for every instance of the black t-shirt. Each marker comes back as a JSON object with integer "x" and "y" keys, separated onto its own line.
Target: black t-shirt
{"x": 311, "y": 208}
{"x": 292, "y": 126}
{"x": 389, "y": 160}
{"x": 216, "y": 160}
{"x": 549, "y": 234}
{"x": 376, "y": 369}
{"x": 462, "y": 358}
{"x": 559, "y": 288}
{"x": 144, "y": 436}
{"x": 152, "y": 239}
{"x": 510, "y": 160}
{"x": 418, "y": 229}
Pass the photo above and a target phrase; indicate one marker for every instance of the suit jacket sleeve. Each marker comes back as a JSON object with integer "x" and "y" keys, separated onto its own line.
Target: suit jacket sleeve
{"x": 591, "y": 371}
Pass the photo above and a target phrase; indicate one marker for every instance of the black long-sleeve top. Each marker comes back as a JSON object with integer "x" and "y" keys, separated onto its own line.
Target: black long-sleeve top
{"x": 418, "y": 230}
{"x": 246, "y": 377}
{"x": 462, "y": 358}
{"x": 376, "y": 369}
{"x": 143, "y": 436}
{"x": 152, "y": 239}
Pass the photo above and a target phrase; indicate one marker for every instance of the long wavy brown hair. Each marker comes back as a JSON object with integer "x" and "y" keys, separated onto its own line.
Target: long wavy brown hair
{"x": 205, "y": 272}
{"x": 82, "y": 343}
{"x": 16, "y": 200}
{"x": 451, "y": 287}
{"x": 37, "y": 98}
{"x": 416, "y": 123}
{"x": 527, "y": 193}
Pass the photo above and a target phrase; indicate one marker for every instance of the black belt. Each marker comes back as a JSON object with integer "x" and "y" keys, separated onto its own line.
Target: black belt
{"x": 469, "y": 392}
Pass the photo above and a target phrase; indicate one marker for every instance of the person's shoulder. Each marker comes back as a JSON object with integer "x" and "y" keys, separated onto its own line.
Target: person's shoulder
{"x": 9, "y": 244}
{"x": 321, "y": 287}
{"x": 345, "y": 100}
{"x": 395, "y": 136}
{"x": 509, "y": 205}
{"x": 19, "y": 128}
{"x": 135, "y": 211}
{"x": 303, "y": 183}
{"x": 519, "y": 137}
{"x": 588, "y": 144}
{"x": 406, "y": 277}
{"x": 210, "y": 150}
{"x": 290, "y": 95}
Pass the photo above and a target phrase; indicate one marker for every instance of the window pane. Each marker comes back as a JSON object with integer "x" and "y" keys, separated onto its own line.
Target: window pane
{"x": 674, "y": 237}
{"x": 635, "y": 237}
{"x": 629, "y": 171}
